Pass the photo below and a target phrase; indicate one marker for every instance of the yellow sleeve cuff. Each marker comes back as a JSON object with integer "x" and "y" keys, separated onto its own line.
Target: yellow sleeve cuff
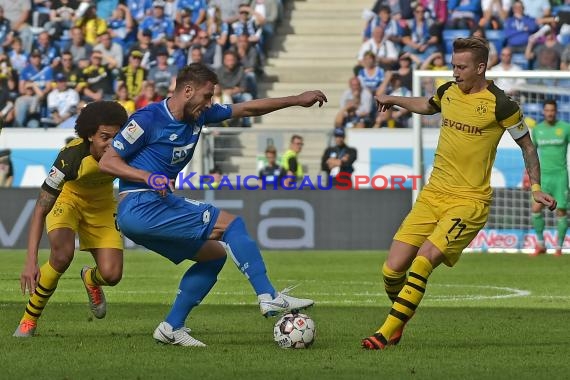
{"x": 535, "y": 187}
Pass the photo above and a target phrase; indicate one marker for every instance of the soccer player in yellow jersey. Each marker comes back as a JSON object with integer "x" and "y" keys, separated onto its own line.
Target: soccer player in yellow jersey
{"x": 454, "y": 205}
{"x": 76, "y": 198}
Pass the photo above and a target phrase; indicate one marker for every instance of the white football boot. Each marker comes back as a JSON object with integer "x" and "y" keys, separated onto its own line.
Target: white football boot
{"x": 181, "y": 337}
{"x": 283, "y": 303}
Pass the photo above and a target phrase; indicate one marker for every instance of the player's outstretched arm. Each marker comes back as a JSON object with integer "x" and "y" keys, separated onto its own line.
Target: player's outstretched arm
{"x": 419, "y": 105}
{"x": 113, "y": 164}
{"x": 31, "y": 273}
{"x": 532, "y": 165}
{"x": 264, "y": 106}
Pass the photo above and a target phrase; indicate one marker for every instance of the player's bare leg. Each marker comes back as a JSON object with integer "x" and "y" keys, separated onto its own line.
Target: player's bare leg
{"x": 107, "y": 272}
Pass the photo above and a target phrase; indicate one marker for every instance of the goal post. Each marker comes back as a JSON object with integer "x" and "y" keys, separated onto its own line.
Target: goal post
{"x": 509, "y": 228}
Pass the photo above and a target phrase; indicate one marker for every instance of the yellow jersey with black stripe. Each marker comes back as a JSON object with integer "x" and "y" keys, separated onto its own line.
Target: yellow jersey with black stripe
{"x": 76, "y": 172}
{"x": 471, "y": 128}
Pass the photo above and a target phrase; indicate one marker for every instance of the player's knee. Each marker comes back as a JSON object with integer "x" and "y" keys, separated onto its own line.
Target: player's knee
{"x": 112, "y": 277}
{"x": 61, "y": 256}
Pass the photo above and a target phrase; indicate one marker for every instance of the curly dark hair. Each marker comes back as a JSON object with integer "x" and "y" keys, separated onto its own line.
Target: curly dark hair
{"x": 99, "y": 113}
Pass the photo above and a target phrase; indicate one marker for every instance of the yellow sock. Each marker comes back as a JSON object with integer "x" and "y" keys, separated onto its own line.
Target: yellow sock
{"x": 93, "y": 277}
{"x": 393, "y": 282}
{"x": 44, "y": 289}
{"x": 409, "y": 297}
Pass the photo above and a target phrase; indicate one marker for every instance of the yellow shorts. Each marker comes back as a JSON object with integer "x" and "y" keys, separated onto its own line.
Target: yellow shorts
{"x": 449, "y": 223}
{"x": 93, "y": 221}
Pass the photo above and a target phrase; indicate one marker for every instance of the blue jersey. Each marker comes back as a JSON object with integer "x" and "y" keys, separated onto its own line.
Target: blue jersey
{"x": 154, "y": 141}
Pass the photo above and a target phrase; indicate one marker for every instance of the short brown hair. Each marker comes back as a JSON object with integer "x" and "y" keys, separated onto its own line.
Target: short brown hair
{"x": 195, "y": 73}
{"x": 476, "y": 45}
{"x": 271, "y": 149}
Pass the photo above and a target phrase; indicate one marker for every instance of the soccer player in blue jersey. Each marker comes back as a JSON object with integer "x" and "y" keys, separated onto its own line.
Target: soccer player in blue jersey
{"x": 161, "y": 138}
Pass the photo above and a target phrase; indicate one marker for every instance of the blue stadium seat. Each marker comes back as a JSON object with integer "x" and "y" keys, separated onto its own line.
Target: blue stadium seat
{"x": 496, "y": 37}
{"x": 451, "y": 34}
{"x": 520, "y": 60}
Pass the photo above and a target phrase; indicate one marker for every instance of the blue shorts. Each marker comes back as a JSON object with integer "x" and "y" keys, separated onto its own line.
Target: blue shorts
{"x": 172, "y": 226}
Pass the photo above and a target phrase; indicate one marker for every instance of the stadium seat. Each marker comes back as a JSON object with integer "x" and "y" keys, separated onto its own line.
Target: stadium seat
{"x": 451, "y": 34}
{"x": 520, "y": 60}
{"x": 496, "y": 37}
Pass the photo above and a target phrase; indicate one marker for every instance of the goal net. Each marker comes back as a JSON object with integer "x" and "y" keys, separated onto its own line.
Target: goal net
{"x": 509, "y": 228}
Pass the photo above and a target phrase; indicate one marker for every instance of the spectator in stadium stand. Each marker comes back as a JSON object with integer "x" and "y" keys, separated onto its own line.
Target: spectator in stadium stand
{"x": 385, "y": 52}
{"x": 518, "y": 28}
{"x": 212, "y": 52}
{"x": 217, "y": 29}
{"x": 162, "y": 74}
{"x": 96, "y": 81}
{"x": 198, "y": 10}
{"x": 544, "y": 53}
{"x": 61, "y": 17}
{"x": 18, "y": 57}
{"x": 537, "y": 9}
{"x": 112, "y": 51}
{"x": 91, "y": 25}
{"x": 68, "y": 69}
{"x": 145, "y": 46}
{"x": 437, "y": 10}
{"x": 121, "y": 27}
{"x": 185, "y": 29}
{"x": 62, "y": 102}
{"x": 355, "y": 106}
{"x": 158, "y": 23}
{"x": 463, "y": 14}
{"x": 407, "y": 62}
{"x": 495, "y": 12}
{"x": 6, "y": 169}
{"x": 272, "y": 173}
{"x": 233, "y": 82}
{"x": 370, "y": 75}
{"x": 395, "y": 7}
{"x": 338, "y": 160}
{"x": 6, "y": 103}
{"x": 249, "y": 23}
{"x": 48, "y": 50}
{"x": 18, "y": 13}
{"x": 148, "y": 95}
{"x": 229, "y": 9}
{"x": 507, "y": 84}
{"x": 133, "y": 75}
{"x": 395, "y": 117}
{"x": 421, "y": 35}
{"x": 80, "y": 49}
{"x": 565, "y": 59}
{"x": 124, "y": 100}
{"x": 176, "y": 55}
{"x": 383, "y": 18}
{"x": 139, "y": 9}
{"x": 250, "y": 60}
{"x": 6, "y": 32}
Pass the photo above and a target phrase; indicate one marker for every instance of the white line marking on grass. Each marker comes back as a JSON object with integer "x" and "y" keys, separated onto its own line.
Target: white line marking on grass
{"x": 512, "y": 293}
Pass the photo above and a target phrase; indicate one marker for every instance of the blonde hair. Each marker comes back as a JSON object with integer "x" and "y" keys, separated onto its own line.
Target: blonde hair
{"x": 476, "y": 45}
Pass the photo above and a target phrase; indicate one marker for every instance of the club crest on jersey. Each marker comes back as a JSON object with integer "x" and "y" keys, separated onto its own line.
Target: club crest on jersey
{"x": 481, "y": 109}
{"x": 179, "y": 154}
{"x": 132, "y": 132}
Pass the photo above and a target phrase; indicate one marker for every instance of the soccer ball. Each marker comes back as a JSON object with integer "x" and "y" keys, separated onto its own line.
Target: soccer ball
{"x": 294, "y": 330}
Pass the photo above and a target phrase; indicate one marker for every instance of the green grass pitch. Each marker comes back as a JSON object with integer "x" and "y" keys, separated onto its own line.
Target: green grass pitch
{"x": 490, "y": 317}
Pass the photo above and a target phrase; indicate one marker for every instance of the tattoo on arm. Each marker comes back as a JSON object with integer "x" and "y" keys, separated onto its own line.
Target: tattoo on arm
{"x": 531, "y": 162}
{"x": 46, "y": 201}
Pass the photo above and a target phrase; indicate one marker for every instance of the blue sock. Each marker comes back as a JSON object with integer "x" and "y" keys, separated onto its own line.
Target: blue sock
{"x": 194, "y": 286}
{"x": 247, "y": 257}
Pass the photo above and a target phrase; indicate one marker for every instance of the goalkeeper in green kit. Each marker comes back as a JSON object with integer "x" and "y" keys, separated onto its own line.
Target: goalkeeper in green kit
{"x": 551, "y": 137}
